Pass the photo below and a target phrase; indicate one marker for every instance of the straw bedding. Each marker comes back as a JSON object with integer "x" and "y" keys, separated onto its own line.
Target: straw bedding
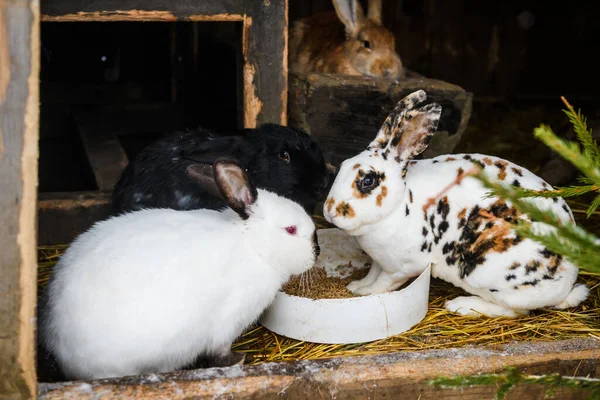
{"x": 439, "y": 329}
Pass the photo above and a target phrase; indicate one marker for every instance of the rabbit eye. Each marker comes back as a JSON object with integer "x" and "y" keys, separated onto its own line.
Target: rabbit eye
{"x": 368, "y": 182}
{"x": 366, "y": 44}
{"x": 285, "y": 156}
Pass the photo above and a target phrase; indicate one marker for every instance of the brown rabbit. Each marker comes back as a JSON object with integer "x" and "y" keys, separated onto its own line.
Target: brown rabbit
{"x": 345, "y": 42}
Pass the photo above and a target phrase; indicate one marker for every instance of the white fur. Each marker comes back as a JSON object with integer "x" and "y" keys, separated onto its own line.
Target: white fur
{"x": 150, "y": 290}
{"x": 394, "y": 239}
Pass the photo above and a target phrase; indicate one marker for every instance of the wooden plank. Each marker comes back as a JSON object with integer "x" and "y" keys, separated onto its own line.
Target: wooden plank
{"x": 142, "y": 10}
{"x": 344, "y": 112}
{"x": 63, "y": 216}
{"x": 265, "y": 71}
{"x": 102, "y": 147}
{"x": 19, "y": 118}
{"x": 397, "y": 375}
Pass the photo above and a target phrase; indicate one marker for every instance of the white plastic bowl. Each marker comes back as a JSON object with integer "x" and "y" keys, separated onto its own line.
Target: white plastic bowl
{"x": 351, "y": 320}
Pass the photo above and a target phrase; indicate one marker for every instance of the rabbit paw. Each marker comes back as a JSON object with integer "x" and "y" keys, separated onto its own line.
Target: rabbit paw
{"x": 383, "y": 283}
{"x": 374, "y": 273}
{"x": 354, "y": 286}
{"x": 477, "y": 307}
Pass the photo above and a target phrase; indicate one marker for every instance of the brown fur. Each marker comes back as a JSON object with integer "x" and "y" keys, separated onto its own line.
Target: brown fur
{"x": 330, "y": 203}
{"x": 357, "y": 193}
{"x": 344, "y": 209}
{"x": 382, "y": 195}
{"x": 502, "y": 167}
{"x": 319, "y": 44}
{"x": 517, "y": 171}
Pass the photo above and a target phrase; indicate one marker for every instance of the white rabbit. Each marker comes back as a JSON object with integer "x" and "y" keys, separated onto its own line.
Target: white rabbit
{"x": 151, "y": 290}
{"x": 379, "y": 196}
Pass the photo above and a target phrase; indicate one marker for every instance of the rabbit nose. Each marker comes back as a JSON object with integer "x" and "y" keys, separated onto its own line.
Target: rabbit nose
{"x": 321, "y": 185}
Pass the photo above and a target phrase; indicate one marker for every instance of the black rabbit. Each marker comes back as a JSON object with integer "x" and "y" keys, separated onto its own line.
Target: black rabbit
{"x": 281, "y": 159}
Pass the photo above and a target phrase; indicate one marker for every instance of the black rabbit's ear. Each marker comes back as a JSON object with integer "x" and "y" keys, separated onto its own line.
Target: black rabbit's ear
{"x": 212, "y": 149}
{"x": 235, "y": 186}
{"x": 202, "y": 174}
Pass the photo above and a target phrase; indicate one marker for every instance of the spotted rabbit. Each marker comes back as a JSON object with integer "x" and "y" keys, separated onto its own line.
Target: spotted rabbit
{"x": 380, "y": 197}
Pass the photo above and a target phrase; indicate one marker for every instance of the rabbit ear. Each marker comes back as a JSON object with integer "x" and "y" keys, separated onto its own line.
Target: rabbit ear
{"x": 213, "y": 148}
{"x": 351, "y": 14}
{"x": 374, "y": 13}
{"x": 202, "y": 174}
{"x": 395, "y": 118}
{"x": 414, "y": 131}
{"x": 235, "y": 186}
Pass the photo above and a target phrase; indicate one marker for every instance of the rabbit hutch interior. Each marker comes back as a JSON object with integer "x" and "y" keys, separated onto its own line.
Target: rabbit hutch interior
{"x": 97, "y": 98}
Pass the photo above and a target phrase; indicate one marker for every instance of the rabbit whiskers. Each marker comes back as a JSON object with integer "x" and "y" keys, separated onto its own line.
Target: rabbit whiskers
{"x": 306, "y": 281}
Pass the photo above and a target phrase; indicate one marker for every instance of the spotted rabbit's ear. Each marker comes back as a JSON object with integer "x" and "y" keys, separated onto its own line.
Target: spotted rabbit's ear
{"x": 394, "y": 119}
{"x": 412, "y": 134}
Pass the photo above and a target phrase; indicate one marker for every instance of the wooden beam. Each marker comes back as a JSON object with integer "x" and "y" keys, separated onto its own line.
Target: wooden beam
{"x": 63, "y": 216}
{"x": 102, "y": 147}
{"x": 142, "y": 10}
{"x": 397, "y": 375}
{"x": 19, "y": 117}
{"x": 343, "y": 113}
{"x": 265, "y": 70}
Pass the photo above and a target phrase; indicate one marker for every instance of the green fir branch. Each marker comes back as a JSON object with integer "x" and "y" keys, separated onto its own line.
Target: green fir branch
{"x": 593, "y": 206}
{"x": 567, "y": 239}
{"x": 570, "y": 191}
{"x": 578, "y": 252}
{"x": 569, "y": 151}
{"x": 584, "y": 135}
{"x": 512, "y": 377}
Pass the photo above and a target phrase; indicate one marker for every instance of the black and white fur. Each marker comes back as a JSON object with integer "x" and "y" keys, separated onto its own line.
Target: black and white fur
{"x": 381, "y": 195}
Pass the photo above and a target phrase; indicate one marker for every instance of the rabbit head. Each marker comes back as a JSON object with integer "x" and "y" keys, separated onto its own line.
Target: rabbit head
{"x": 370, "y": 185}
{"x": 289, "y": 162}
{"x": 369, "y": 47}
{"x": 267, "y": 217}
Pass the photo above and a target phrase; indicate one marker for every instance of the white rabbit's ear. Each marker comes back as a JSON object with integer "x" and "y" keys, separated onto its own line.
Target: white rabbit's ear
{"x": 235, "y": 186}
{"x": 390, "y": 125}
{"x": 351, "y": 14}
{"x": 414, "y": 132}
{"x": 374, "y": 13}
{"x": 202, "y": 174}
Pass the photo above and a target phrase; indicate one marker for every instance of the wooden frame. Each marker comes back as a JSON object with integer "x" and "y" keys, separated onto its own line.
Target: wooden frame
{"x": 264, "y": 39}
{"x": 400, "y": 375}
{"x": 19, "y": 115}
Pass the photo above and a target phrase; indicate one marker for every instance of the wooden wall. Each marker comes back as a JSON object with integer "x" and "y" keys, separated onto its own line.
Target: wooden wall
{"x": 19, "y": 109}
{"x": 494, "y": 48}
